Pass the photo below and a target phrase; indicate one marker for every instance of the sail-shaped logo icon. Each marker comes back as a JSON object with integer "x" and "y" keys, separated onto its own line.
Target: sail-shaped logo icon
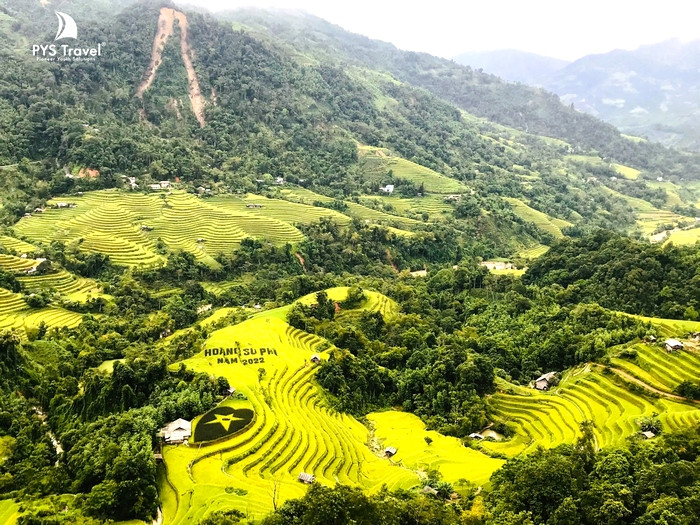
{"x": 66, "y": 26}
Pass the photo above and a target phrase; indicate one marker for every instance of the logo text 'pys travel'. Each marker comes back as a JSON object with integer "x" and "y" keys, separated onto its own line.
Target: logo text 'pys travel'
{"x": 67, "y": 29}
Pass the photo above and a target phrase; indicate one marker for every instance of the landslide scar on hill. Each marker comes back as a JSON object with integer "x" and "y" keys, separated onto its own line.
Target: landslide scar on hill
{"x": 165, "y": 30}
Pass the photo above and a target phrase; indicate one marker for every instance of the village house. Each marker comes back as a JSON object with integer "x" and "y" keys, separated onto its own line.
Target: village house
{"x": 131, "y": 181}
{"x": 390, "y": 451}
{"x": 315, "y": 359}
{"x": 279, "y": 181}
{"x": 154, "y": 187}
{"x": 476, "y": 435}
{"x": 61, "y": 204}
{"x": 455, "y": 198}
{"x": 429, "y": 490}
{"x": 545, "y": 381}
{"x": 648, "y": 434}
{"x": 254, "y": 205}
{"x": 176, "y": 432}
{"x": 307, "y": 478}
{"x": 38, "y": 262}
{"x": 229, "y": 391}
{"x": 389, "y": 188}
{"x": 673, "y": 344}
{"x": 204, "y": 308}
{"x": 165, "y": 184}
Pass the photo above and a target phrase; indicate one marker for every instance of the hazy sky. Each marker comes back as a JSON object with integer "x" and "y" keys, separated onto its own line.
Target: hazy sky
{"x": 555, "y": 28}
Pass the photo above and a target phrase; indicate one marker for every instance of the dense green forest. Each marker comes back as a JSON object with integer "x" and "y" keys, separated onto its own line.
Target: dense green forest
{"x": 338, "y": 117}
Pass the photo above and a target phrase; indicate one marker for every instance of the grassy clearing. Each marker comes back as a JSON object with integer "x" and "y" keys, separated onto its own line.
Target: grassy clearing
{"x": 552, "y": 418}
{"x": 407, "y": 433}
{"x": 377, "y": 162}
{"x": 542, "y": 220}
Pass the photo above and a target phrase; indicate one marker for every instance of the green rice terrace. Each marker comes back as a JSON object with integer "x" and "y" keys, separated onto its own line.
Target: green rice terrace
{"x": 128, "y": 227}
{"x": 376, "y": 162}
{"x": 15, "y": 313}
{"x": 279, "y": 426}
{"x": 638, "y": 382}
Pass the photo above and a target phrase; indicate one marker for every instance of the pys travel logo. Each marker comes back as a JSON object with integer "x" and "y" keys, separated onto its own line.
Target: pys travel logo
{"x": 67, "y": 29}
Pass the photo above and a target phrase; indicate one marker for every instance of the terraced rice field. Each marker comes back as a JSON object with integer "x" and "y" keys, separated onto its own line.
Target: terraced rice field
{"x": 627, "y": 172}
{"x": 675, "y": 328}
{"x": 681, "y": 237}
{"x": 68, "y": 285}
{"x": 398, "y": 224}
{"x": 111, "y": 222}
{"x": 659, "y": 368}
{"x": 16, "y": 245}
{"x": 534, "y": 251}
{"x": 552, "y": 418}
{"x": 283, "y": 210}
{"x": 542, "y": 220}
{"x": 9, "y": 512}
{"x": 16, "y": 314}
{"x": 13, "y": 264}
{"x": 293, "y": 430}
{"x": 378, "y": 161}
{"x": 407, "y": 433}
{"x": 434, "y": 205}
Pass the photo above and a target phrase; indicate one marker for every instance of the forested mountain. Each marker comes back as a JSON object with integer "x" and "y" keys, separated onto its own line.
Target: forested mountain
{"x": 248, "y": 252}
{"x": 651, "y": 91}
{"x": 648, "y": 92}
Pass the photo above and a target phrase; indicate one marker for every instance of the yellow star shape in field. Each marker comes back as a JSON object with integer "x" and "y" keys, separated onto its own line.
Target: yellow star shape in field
{"x": 224, "y": 420}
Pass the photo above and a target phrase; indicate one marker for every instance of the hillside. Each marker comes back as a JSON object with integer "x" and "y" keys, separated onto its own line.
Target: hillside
{"x": 479, "y": 93}
{"x": 257, "y": 269}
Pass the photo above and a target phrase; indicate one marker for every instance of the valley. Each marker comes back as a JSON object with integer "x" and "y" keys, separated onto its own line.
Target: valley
{"x": 255, "y": 268}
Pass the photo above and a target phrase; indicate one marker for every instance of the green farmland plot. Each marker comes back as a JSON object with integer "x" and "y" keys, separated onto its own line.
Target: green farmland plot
{"x": 292, "y": 431}
{"x": 17, "y": 314}
{"x": 16, "y": 245}
{"x": 552, "y": 418}
{"x": 378, "y": 161}
{"x": 126, "y": 226}
{"x": 397, "y": 223}
{"x": 9, "y": 512}
{"x": 659, "y": 368}
{"x": 542, "y": 220}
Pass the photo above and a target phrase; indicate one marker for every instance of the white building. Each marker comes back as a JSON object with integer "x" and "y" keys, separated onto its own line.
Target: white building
{"x": 178, "y": 431}
{"x": 389, "y": 188}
